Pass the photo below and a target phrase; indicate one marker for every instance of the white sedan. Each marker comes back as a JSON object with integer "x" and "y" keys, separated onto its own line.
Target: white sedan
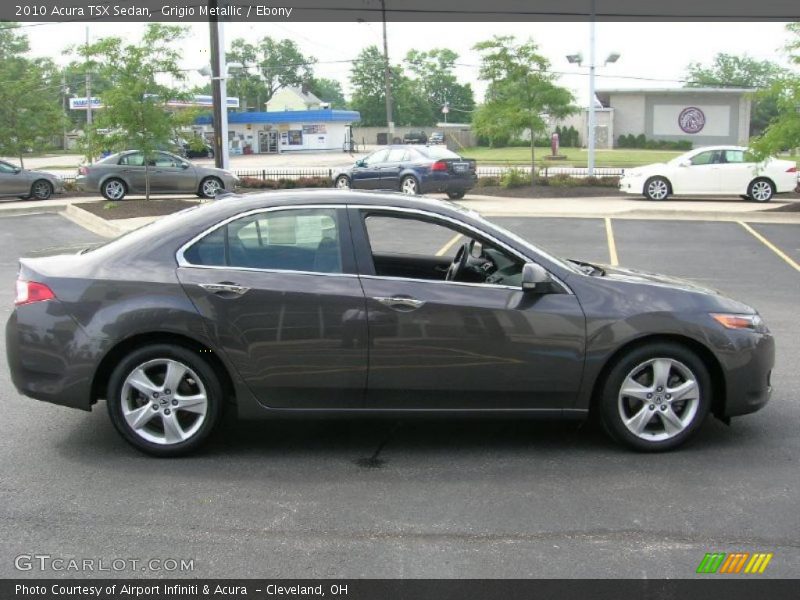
{"x": 713, "y": 170}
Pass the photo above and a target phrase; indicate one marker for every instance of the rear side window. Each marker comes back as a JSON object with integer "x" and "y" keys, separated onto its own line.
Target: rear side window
{"x": 132, "y": 160}
{"x": 287, "y": 240}
{"x": 438, "y": 152}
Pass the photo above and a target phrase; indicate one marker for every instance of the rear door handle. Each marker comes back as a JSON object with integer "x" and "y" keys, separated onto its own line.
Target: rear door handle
{"x": 229, "y": 288}
{"x": 400, "y": 302}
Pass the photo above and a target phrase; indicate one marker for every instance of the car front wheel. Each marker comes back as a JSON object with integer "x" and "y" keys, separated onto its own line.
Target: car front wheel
{"x": 210, "y": 187}
{"x": 655, "y": 397}
{"x": 656, "y": 188}
{"x": 761, "y": 190}
{"x": 164, "y": 399}
{"x": 343, "y": 182}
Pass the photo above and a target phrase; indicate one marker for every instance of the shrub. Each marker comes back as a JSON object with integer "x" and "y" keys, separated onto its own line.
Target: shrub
{"x": 284, "y": 183}
{"x": 490, "y": 181}
{"x": 514, "y": 178}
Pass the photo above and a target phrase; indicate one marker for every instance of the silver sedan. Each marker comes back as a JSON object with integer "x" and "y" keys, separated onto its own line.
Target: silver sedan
{"x": 125, "y": 173}
{"x": 38, "y": 185}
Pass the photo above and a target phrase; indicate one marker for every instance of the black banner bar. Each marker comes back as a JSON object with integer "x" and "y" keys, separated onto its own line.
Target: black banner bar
{"x": 738, "y": 588}
{"x": 398, "y": 10}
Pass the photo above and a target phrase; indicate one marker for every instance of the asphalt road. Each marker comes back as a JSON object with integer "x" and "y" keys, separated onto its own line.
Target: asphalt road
{"x": 449, "y": 499}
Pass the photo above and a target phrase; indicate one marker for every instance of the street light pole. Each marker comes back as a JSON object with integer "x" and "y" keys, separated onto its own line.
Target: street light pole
{"x": 219, "y": 92}
{"x": 387, "y": 75}
{"x": 592, "y": 115}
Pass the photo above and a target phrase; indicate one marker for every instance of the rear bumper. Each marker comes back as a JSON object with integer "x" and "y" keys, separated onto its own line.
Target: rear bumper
{"x": 444, "y": 182}
{"x": 48, "y": 355}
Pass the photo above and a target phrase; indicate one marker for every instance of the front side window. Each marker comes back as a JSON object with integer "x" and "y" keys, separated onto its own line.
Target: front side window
{"x": 377, "y": 157}
{"x": 287, "y": 240}
{"x": 162, "y": 159}
{"x": 704, "y": 158}
{"x": 7, "y": 167}
{"x": 416, "y": 248}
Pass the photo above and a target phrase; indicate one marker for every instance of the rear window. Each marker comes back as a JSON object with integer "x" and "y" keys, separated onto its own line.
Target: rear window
{"x": 438, "y": 152}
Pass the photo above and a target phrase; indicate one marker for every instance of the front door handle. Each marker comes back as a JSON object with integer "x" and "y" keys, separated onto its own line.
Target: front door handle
{"x": 229, "y": 288}
{"x": 400, "y": 303}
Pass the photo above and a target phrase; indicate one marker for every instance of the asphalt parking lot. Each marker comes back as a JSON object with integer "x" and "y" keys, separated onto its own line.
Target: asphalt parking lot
{"x": 451, "y": 499}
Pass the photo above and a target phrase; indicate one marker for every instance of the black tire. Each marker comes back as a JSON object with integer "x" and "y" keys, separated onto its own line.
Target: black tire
{"x": 744, "y": 197}
{"x": 657, "y": 188}
{"x": 761, "y": 190}
{"x": 108, "y": 184}
{"x": 204, "y": 373}
{"x": 203, "y": 192}
{"x": 456, "y": 195}
{"x": 342, "y": 182}
{"x": 41, "y": 190}
{"x": 406, "y": 185}
{"x": 611, "y": 404}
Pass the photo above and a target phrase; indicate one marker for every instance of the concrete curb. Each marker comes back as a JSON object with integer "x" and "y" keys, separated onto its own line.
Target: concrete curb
{"x": 93, "y": 223}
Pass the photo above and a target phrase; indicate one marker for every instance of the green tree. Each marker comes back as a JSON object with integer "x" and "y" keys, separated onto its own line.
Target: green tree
{"x": 136, "y": 114}
{"x": 729, "y": 70}
{"x": 783, "y": 132}
{"x": 434, "y": 77}
{"x": 268, "y": 65}
{"x": 327, "y": 90}
{"x": 409, "y": 106}
{"x": 521, "y": 93}
{"x": 31, "y": 114}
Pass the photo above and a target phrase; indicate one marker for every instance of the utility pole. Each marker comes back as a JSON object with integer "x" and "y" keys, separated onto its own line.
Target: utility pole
{"x": 89, "y": 119}
{"x": 64, "y": 93}
{"x": 387, "y": 76}
{"x": 592, "y": 117}
{"x": 219, "y": 91}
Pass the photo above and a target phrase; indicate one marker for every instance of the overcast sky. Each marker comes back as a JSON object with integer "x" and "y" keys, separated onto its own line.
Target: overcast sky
{"x": 652, "y": 54}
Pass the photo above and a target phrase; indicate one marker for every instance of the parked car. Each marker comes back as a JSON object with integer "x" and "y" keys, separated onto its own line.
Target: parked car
{"x": 196, "y": 150}
{"x": 124, "y": 173}
{"x": 437, "y": 137}
{"x": 713, "y": 170}
{"x": 318, "y": 302}
{"x": 411, "y": 169}
{"x": 28, "y": 184}
{"x": 415, "y": 137}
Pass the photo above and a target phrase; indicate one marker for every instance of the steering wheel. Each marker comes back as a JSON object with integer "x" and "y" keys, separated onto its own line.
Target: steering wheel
{"x": 459, "y": 261}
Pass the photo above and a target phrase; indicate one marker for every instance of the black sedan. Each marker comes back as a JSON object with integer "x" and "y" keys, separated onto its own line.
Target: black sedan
{"x": 324, "y": 302}
{"x": 411, "y": 170}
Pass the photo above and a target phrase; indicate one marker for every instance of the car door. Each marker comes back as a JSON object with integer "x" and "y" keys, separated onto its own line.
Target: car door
{"x": 436, "y": 344}
{"x": 700, "y": 175}
{"x": 366, "y": 174}
{"x": 734, "y": 173}
{"x": 280, "y": 296}
{"x": 390, "y": 169}
{"x": 169, "y": 173}
{"x": 13, "y": 180}
{"x": 130, "y": 168}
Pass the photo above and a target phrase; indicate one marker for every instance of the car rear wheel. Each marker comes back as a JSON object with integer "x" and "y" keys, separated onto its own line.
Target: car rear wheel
{"x": 164, "y": 399}
{"x": 210, "y": 187}
{"x": 113, "y": 189}
{"x": 656, "y": 188}
{"x": 761, "y": 190}
{"x": 655, "y": 397}
{"x": 41, "y": 189}
{"x": 409, "y": 185}
{"x": 455, "y": 195}
{"x": 343, "y": 182}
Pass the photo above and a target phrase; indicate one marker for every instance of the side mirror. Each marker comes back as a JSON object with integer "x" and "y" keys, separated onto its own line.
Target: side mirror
{"x": 684, "y": 163}
{"x": 535, "y": 278}
{"x": 184, "y": 165}
{"x": 360, "y": 163}
{"x": 17, "y": 170}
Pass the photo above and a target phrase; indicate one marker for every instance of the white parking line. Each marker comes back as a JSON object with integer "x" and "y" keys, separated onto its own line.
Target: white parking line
{"x": 612, "y": 246}
{"x": 789, "y": 260}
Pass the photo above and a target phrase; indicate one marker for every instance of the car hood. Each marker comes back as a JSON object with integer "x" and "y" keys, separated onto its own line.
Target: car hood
{"x": 646, "y": 170}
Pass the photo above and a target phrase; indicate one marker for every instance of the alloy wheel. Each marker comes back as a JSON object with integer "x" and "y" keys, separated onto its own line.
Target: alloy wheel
{"x": 114, "y": 190}
{"x": 409, "y": 186}
{"x": 657, "y": 189}
{"x": 761, "y": 191}
{"x": 164, "y": 401}
{"x": 211, "y": 187}
{"x": 659, "y": 399}
{"x": 41, "y": 190}
{"x": 342, "y": 183}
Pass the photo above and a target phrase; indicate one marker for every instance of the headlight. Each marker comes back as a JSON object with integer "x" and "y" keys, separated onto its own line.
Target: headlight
{"x": 737, "y": 321}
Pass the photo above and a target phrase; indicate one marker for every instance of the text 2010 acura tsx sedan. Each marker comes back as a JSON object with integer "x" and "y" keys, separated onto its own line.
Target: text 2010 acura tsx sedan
{"x": 341, "y": 302}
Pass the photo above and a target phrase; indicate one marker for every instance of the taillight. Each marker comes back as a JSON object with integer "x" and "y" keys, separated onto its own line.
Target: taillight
{"x": 791, "y": 170}
{"x": 439, "y": 165}
{"x": 83, "y": 171}
{"x": 32, "y": 291}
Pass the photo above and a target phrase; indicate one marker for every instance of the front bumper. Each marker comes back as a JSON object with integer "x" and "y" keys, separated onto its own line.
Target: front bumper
{"x": 747, "y": 360}
{"x": 631, "y": 185}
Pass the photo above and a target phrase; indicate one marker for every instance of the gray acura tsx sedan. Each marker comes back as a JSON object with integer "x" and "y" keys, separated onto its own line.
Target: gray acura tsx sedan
{"x": 311, "y": 303}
